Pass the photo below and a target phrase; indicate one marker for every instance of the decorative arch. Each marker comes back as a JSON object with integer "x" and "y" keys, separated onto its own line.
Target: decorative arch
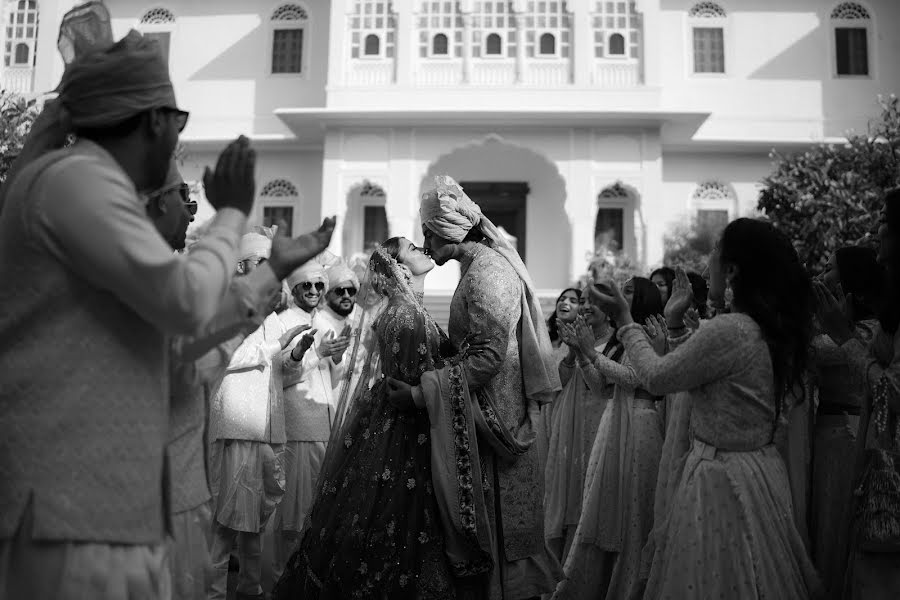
{"x": 707, "y": 10}
{"x": 158, "y": 16}
{"x": 850, "y": 11}
{"x": 851, "y": 25}
{"x": 497, "y": 164}
{"x": 616, "y": 221}
{"x": 279, "y": 188}
{"x": 279, "y": 201}
{"x": 289, "y": 12}
{"x": 372, "y": 27}
{"x": 289, "y": 25}
{"x": 440, "y": 29}
{"x": 713, "y": 204}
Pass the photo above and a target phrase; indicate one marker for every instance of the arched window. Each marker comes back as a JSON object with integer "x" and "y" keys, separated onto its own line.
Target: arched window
{"x": 21, "y": 22}
{"x": 277, "y": 202}
{"x": 440, "y": 29}
{"x": 439, "y": 46}
{"x": 548, "y": 44}
{"x": 372, "y": 29}
{"x": 713, "y": 202}
{"x": 851, "y": 23}
{"x": 609, "y": 225}
{"x": 616, "y": 22}
{"x": 708, "y": 21}
{"x": 494, "y": 29}
{"x": 548, "y": 29}
{"x": 617, "y": 45}
{"x": 158, "y": 24}
{"x": 493, "y": 45}
{"x": 373, "y": 45}
{"x": 22, "y": 52}
{"x": 289, "y": 34}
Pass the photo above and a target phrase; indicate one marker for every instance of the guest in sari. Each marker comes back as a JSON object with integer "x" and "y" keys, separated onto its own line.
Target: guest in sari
{"x": 570, "y": 423}
{"x": 617, "y": 513}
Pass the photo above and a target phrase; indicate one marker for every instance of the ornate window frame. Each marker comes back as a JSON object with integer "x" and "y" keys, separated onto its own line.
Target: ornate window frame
{"x": 617, "y": 195}
{"x": 851, "y": 15}
{"x": 301, "y": 20}
{"x": 279, "y": 192}
{"x": 606, "y": 24}
{"x": 487, "y": 20}
{"x": 555, "y": 20}
{"x": 431, "y": 24}
{"x": 12, "y": 39}
{"x": 383, "y": 25}
{"x": 712, "y": 195}
{"x": 706, "y": 14}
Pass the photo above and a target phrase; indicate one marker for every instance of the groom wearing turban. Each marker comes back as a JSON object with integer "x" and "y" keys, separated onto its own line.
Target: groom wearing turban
{"x": 497, "y": 323}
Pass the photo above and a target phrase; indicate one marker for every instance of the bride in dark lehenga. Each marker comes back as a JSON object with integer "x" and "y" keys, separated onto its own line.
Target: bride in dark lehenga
{"x": 379, "y": 526}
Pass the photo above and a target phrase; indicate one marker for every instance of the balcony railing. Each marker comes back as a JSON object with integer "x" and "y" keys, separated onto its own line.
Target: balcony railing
{"x": 19, "y": 80}
{"x": 546, "y": 73}
{"x": 617, "y": 74}
{"x": 371, "y": 72}
{"x": 439, "y": 73}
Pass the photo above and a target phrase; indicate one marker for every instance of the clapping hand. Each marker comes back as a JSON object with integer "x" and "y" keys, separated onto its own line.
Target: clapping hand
{"x": 567, "y": 334}
{"x": 303, "y": 345}
{"x": 332, "y": 346}
{"x": 288, "y": 336}
{"x": 614, "y": 305}
{"x": 833, "y": 313}
{"x": 232, "y": 184}
{"x": 584, "y": 336}
{"x": 289, "y": 254}
{"x": 655, "y": 328}
{"x": 681, "y": 299}
{"x": 692, "y": 319}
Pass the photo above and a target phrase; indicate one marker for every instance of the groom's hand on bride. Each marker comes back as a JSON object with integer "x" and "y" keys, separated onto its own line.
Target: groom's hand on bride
{"x": 400, "y": 394}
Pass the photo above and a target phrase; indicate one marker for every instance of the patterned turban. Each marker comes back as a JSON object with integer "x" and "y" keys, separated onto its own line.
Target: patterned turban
{"x": 340, "y": 273}
{"x": 447, "y": 211}
{"x": 255, "y": 245}
{"x": 311, "y": 271}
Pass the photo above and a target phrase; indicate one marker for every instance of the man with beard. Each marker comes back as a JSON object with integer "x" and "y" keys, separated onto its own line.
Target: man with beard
{"x": 340, "y": 314}
{"x": 507, "y": 361}
{"x": 309, "y": 404}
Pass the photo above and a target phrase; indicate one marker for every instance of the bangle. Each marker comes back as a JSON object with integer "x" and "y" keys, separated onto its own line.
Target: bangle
{"x": 292, "y": 355}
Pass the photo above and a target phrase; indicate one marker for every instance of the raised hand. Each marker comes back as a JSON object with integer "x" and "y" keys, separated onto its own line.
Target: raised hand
{"x": 614, "y": 305}
{"x": 692, "y": 319}
{"x": 655, "y": 329}
{"x": 289, "y": 254}
{"x": 288, "y": 336}
{"x": 681, "y": 299}
{"x": 832, "y": 313}
{"x": 232, "y": 184}
{"x": 303, "y": 345}
{"x": 567, "y": 334}
{"x": 332, "y": 346}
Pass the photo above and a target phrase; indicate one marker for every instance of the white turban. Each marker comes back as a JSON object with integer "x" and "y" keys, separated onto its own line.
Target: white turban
{"x": 311, "y": 271}
{"x": 340, "y": 273}
{"x": 447, "y": 211}
{"x": 255, "y": 245}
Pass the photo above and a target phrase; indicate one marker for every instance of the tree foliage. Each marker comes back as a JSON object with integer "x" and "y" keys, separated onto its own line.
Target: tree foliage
{"x": 830, "y": 195}
{"x": 17, "y": 113}
{"x": 689, "y": 245}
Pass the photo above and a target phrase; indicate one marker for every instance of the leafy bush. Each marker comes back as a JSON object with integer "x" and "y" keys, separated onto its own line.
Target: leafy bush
{"x": 16, "y": 116}
{"x": 830, "y": 195}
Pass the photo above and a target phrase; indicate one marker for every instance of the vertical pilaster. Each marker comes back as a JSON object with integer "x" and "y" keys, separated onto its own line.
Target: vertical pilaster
{"x": 406, "y": 41}
{"x": 582, "y": 41}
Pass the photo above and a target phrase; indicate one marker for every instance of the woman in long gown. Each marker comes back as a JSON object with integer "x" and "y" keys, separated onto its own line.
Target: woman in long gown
{"x": 617, "y": 511}
{"x": 375, "y": 529}
{"x": 570, "y": 424}
{"x": 729, "y": 531}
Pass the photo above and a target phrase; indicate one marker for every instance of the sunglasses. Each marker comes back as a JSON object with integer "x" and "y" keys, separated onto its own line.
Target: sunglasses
{"x": 307, "y": 285}
{"x": 181, "y": 116}
{"x": 340, "y": 291}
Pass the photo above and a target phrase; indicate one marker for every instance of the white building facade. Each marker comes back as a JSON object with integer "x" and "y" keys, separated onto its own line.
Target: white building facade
{"x": 572, "y": 122}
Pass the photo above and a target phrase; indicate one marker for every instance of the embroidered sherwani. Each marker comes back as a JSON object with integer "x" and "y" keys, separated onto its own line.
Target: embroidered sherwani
{"x": 484, "y": 319}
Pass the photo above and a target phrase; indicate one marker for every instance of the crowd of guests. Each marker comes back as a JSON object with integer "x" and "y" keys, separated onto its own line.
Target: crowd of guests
{"x": 731, "y": 434}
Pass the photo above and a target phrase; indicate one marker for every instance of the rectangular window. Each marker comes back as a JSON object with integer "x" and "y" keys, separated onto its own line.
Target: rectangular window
{"x": 375, "y": 227}
{"x": 273, "y": 214}
{"x": 163, "y": 38}
{"x": 709, "y": 50}
{"x": 287, "y": 51}
{"x": 851, "y": 46}
{"x": 712, "y": 221}
{"x": 609, "y": 229}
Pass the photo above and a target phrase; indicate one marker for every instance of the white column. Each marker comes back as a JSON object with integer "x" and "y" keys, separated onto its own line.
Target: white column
{"x": 334, "y": 200}
{"x": 467, "y": 19}
{"x": 402, "y": 199}
{"x": 519, "y": 9}
{"x": 338, "y": 50}
{"x": 582, "y": 42}
{"x": 651, "y": 50}
{"x": 404, "y": 57}
{"x": 580, "y": 201}
{"x": 652, "y": 198}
